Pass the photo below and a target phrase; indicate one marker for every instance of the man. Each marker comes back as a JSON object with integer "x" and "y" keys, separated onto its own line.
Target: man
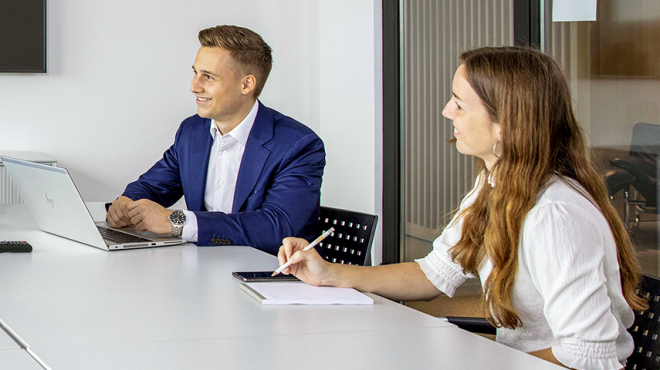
{"x": 250, "y": 175}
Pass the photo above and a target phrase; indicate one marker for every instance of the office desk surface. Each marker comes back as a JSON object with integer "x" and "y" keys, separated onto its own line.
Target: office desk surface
{"x": 79, "y": 307}
{"x": 18, "y": 359}
{"x": 6, "y": 342}
{"x": 166, "y": 294}
{"x": 443, "y": 348}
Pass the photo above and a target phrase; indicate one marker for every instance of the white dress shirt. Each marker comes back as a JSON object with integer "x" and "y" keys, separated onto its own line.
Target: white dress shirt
{"x": 567, "y": 291}
{"x": 222, "y": 172}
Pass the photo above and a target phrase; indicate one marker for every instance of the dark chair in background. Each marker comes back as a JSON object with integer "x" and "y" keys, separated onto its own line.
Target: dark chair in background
{"x": 351, "y": 241}
{"x": 637, "y": 171}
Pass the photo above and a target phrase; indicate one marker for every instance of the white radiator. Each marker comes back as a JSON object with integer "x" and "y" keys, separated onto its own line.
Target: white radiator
{"x": 8, "y": 192}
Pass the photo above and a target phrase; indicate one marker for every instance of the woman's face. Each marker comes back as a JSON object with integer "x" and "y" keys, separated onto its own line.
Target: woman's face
{"x": 475, "y": 133}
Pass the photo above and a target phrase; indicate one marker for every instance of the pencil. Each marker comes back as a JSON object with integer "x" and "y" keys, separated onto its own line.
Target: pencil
{"x": 310, "y": 246}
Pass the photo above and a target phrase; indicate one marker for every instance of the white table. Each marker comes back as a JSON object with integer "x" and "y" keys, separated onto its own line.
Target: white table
{"x": 12, "y": 356}
{"x": 6, "y": 342}
{"x": 79, "y": 307}
{"x": 18, "y": 359}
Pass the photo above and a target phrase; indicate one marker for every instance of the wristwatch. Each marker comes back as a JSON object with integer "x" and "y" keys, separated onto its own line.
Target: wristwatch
{"x": 178, "y": 219}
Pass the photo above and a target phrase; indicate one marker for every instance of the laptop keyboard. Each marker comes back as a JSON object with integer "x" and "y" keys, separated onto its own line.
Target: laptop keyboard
{"x": 118, "y": 237}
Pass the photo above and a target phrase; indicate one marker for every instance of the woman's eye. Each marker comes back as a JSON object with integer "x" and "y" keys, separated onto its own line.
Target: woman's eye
{"x": 458, "y": 106}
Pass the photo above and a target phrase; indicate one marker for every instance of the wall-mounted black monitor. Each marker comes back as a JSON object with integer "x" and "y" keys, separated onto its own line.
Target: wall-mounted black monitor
{"x": 23, "y": 36}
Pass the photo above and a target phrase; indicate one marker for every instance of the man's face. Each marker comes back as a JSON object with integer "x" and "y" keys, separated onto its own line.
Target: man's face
{"x": 219, "y": 91}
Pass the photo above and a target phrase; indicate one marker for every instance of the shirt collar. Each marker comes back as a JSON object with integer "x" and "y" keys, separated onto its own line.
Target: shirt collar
{"x": 241, "y": 132}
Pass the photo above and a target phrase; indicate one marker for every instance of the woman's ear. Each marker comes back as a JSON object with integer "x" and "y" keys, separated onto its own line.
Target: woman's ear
{"x": 497, "y": 131}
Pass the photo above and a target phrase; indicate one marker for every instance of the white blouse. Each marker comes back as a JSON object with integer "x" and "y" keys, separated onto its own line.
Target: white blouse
{"x": 567, "y": 292}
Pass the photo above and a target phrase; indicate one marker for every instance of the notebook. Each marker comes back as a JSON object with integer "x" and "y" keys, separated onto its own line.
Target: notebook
{"x": 57, "y": 208}
{"x": 301, "y": 293}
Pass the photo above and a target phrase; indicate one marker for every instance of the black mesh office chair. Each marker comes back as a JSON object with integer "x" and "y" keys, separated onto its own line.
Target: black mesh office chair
{"x": 351, "y": 241}
{"x": 637, "y": 170}
{"x": 645, "y": 331}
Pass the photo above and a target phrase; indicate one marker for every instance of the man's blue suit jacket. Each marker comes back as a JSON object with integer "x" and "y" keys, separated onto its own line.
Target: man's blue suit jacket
{"x": 277, "y": 190}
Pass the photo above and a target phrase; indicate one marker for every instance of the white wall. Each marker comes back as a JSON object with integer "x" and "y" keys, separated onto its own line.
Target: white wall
{"x": 118, "y": 82}
{"x": 351, "y": 106}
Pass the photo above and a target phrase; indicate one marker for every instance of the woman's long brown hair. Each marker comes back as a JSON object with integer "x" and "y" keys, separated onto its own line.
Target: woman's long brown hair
{"x": 526, "y": 92}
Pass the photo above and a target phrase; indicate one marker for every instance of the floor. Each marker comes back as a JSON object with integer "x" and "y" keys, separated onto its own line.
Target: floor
{"x": 466, "y": 302}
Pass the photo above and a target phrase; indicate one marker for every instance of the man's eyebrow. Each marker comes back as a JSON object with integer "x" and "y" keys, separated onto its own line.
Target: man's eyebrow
{"x": 205, "y": 72}
{"x": 456, "y": 96}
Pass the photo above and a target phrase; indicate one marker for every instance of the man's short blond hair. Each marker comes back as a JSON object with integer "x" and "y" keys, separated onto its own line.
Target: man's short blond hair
{"x": 249, "y": 52}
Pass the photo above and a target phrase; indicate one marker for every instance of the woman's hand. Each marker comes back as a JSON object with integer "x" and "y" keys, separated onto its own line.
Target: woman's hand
{"x": 399, "y": 281}
{"x": 307, "y": 266}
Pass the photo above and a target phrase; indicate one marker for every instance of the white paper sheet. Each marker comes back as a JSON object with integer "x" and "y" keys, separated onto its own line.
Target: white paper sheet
{"x": 301, "y": 293}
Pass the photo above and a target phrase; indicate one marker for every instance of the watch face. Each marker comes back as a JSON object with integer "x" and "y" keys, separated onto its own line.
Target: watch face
{"x": 178, "y": 217}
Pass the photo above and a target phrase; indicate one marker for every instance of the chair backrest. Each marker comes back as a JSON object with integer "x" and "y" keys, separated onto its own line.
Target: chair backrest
{"x": 646, "y": 329}
{"x": 645, "y": 139}
{"x": 351, "y": 241}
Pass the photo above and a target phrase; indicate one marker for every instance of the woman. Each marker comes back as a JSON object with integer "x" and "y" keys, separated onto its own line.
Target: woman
{"x": 556, "y": 264}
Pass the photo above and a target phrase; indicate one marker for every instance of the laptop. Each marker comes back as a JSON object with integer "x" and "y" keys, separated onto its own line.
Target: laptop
{"x": 57, "y": 208}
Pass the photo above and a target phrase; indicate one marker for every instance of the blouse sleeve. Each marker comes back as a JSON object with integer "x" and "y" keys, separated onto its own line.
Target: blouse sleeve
{"x": 564, "y": 248}
{"x": 441, "y": 271}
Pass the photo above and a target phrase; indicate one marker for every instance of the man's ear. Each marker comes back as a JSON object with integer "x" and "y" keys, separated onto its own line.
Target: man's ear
{"x": 249, "y": 84}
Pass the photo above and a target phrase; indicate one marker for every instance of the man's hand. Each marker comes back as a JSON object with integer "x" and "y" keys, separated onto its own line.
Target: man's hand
{"x": 149, "y": 216}
{"x": 117, "y": 215}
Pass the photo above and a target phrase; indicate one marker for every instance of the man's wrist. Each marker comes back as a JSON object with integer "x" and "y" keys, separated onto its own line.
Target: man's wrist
{"x": 190, "y": 228}
{"x": 177, "y": 221}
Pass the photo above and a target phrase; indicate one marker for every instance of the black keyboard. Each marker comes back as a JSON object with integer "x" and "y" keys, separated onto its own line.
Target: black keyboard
{"x": 119, "y": 237}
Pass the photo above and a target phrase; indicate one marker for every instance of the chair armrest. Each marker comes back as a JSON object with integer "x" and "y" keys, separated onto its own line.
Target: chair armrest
{"x": 645, "y": 172}
{"x": 636, "y": 165}
{"x": 472, "y": 324}
{"x": 617, "y": 179}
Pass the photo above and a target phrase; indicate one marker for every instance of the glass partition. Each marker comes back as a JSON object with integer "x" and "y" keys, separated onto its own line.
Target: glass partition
{"x": 613, "y": 65}
{"x": 435, "y": 176}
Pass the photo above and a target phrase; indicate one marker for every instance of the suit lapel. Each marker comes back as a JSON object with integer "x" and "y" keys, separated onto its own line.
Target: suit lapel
{"x": 254, "y": 157}
{"x": 199, "y": 163}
